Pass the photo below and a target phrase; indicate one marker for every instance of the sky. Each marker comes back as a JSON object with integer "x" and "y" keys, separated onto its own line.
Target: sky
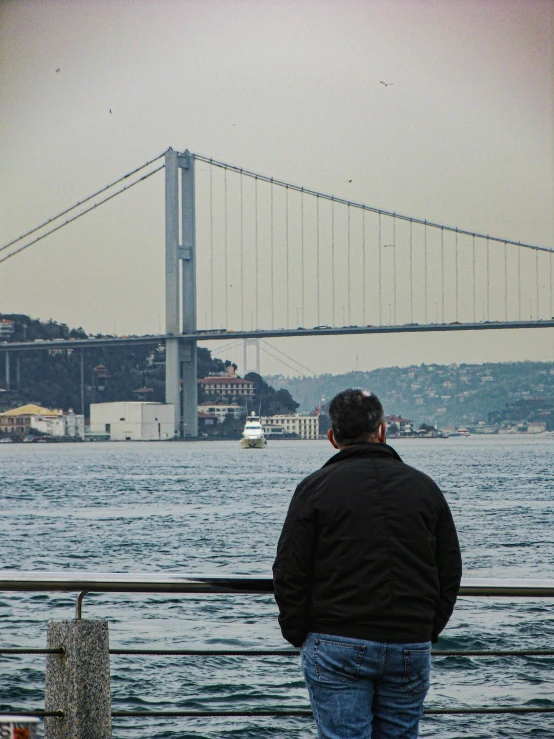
{"x": 461, "y": 134}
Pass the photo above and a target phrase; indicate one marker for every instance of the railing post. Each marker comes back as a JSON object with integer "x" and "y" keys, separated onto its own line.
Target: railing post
{"x": 78, "y": 681}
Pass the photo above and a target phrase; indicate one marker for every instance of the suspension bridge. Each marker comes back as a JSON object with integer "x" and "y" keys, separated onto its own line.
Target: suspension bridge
{"x": 249, "y": 257}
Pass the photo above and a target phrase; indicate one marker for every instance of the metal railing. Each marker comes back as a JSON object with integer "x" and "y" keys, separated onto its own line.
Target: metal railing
{"x": 85, "y": 582}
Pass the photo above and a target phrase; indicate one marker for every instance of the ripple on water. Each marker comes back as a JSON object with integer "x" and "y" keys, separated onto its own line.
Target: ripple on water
{"x": 211, "y": 507}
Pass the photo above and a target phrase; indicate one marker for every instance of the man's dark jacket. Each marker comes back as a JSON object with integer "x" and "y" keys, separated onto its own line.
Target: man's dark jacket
{"x": 368, "y": 550}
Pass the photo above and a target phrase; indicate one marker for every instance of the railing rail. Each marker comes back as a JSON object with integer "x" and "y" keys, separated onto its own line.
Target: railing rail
{"x": 172, "y": 583}
{"x": 176, "y": 582}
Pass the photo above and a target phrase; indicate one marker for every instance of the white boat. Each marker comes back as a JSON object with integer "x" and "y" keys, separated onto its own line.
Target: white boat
{"x": 253, "y": 433}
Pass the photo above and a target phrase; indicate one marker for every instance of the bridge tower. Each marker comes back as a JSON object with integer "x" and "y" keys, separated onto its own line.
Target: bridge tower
{"x": 180, "y": 291}
{"x": 246, "y": 364}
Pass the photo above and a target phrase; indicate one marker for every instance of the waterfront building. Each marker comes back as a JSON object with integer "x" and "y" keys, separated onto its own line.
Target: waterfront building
{"x": 20, "y": 421}
{"x": 404, "y": 425}
{"x": 74, "y": 424}
{"x": 536, "y": 427}
{"x": 133, "y": 420}
{"x": 227, "y": 388}
{"x": 306, "y": 427}
{"x": 220, "y": 411}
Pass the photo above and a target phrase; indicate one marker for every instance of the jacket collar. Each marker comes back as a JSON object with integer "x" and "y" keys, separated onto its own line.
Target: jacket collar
{"x": 370, "y": 449}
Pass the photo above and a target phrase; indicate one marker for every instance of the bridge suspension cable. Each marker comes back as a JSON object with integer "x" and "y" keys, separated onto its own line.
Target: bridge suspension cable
{"x": 519, "y": 284}
{"x": 82, "y": 213}
{"x": 333, "y": 263}
{"x": 363, "y": 269}
{"x": 317, "y": 280}
{"x": 551, "y": 310}
{"x": 363, "y": 206}
{"x": 226, "y": 251}
{"x": 412, "y": 274}
{"x": 287, "y": 270}
{"x": 425, "y": 267}
{"x": 537, "y": 278}
{"x": 263, "y": 341}
{"x": 272, "y": 264}
{"x": 312, "y": 259}
{"x": 302, "y": 273}
{"x": 380, "y": 274}
{"x": 211, "y": 248}
{"x": 241, "y": 254}
{"x": 473, "y": 281}
{"x": 442, "y": 275}
{"x": 348, "y": 252}
{"x": 394, "y": 283}
{"x": 505, "y": 281}
{"x": 81, "y": 202}
{"x": 256, "y": 250}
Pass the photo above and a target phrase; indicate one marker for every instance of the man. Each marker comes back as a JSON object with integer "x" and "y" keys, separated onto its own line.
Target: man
{"x": 367, "y": 571}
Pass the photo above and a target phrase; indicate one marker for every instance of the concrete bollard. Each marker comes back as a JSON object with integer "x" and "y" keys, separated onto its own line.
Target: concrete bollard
{"x": 78, "y": 681}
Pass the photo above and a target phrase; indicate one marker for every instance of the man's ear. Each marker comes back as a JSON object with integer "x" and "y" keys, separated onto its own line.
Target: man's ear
{"x": 382, "y": 433}
{"x": 331, "y": 438}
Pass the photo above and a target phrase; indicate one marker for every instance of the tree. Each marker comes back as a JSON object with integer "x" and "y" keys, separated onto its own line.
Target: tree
{"x": 426, "y": 427}
{"x": 272, "y": 402}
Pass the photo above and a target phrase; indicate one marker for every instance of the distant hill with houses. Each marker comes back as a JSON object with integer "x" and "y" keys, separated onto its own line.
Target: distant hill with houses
{"x": 446, "y": 395}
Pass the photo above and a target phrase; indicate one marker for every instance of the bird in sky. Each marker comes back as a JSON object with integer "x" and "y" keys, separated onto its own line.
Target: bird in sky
{"x": 387, "y": 84}
{"x": 57, "y": 70}
{"x": 110, "y": 110}
{"x": 349, "y": 180}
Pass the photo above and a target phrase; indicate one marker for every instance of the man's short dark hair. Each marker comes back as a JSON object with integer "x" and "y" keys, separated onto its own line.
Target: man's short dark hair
{"x": 355, "y": 416}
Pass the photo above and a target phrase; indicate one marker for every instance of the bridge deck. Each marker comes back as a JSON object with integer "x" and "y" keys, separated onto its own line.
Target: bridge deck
{"x": 220, "y": 334}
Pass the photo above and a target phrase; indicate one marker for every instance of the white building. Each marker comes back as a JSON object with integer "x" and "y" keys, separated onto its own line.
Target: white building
{"x": 52, "y": 424}
{"x": 404, "y": 425}
{"x": 74, "y": 424}
{"x": 536, "y": 427}
{"x": 133, "y": 420}
{"x": 20, "y": 421}
{"x": 306, "y": 427}
{"x": 221, "y": 411}
{"x": 7, "y": 327}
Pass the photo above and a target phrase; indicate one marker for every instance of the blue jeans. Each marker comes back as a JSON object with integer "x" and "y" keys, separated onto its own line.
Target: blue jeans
{"x": 364, "y": 689}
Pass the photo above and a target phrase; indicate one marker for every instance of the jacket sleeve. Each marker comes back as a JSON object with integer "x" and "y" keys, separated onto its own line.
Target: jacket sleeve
{"x": 449, "y": 565}
{"x": 293, "y": 566}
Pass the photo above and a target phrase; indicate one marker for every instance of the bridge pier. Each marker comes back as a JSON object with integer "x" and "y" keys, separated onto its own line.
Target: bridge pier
{"x": 83, "y": 381}
{"x": 246, "y": 366}
{"x": 173, "y": 380}
{"x": 180, "y": 246}
{"x": 8, "y": 379}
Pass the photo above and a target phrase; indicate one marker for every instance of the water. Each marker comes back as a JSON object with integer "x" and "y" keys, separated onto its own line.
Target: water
{"x": 210, "y": 507}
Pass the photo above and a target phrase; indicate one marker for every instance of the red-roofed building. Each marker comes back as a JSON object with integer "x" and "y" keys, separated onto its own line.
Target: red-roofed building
{"x": 227, "y": 388}
{"x": 404, "y": 425}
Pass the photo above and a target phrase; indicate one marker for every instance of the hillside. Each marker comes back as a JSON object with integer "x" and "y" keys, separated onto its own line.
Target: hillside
{"x": 52, "y": 377}
{"x": 447, "y": 395}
